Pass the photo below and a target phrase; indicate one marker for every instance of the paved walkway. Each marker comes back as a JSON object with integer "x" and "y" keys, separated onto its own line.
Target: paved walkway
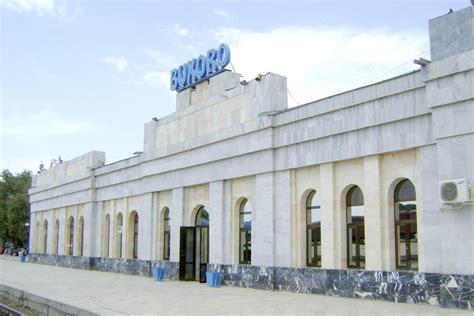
{"x": 118, "y": 294}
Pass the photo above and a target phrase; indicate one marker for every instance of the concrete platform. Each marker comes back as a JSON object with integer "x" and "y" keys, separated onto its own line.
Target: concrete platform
{"x": 117, "y": 294}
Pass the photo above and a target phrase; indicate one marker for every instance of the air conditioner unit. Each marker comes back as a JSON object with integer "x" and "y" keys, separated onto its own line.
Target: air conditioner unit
{"x": 455, "y": 191}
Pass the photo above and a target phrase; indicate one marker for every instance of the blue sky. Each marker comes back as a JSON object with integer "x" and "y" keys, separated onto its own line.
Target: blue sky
{"x": 86, "y": 75}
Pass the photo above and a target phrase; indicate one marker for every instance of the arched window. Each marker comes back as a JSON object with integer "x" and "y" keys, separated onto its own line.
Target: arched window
{"x": 313, "y": 230}
{"x": 118, "y": 243}
{"x": 70, "y": 237}
{"x": 133, "y": 224}
{"x": 166, "y": 234}
{"x": 355, "y": 228}
{"x": 107, "y": 236}
{"x": 56, "y": 238}
{"x": 202, "y": 243}
{"x": 406, "y": 230}
{"x": 202, "y": 217}
{"x": 81, "y": 236}
{"x": 245, "y": 234}
{"x": 45, "y": 236}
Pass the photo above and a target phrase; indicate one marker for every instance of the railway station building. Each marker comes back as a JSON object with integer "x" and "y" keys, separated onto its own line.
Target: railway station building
{"x": 361, "y": 194}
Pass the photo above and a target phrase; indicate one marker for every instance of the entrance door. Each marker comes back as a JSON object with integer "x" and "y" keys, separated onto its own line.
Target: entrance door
{"x": 187, "y": 249}
{"x": 194, "y": 249}
{"x": 202, "y": 243}
{"x": 202, "y": 252}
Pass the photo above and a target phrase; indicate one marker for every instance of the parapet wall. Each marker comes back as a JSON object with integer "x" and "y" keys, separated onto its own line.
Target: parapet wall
{"x": 216, "y": 105}
{"x": 70, "y": 170}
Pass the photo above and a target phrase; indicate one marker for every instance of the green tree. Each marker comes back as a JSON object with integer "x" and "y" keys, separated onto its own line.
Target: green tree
{"x": 14, "y": 207}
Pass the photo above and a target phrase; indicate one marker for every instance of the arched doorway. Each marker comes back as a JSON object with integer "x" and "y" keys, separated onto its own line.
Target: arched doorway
{"x": 194, "y": 248}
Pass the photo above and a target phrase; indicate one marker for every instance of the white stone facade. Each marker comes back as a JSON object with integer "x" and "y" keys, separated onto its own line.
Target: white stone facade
{"x": 228, "y": 141}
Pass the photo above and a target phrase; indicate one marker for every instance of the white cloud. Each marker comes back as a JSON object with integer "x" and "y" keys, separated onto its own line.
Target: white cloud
{"x": 68, "y": 10}
{"x": 45, "y": 123}
{"x": 222, "y": 13}
{"x": 156, "y": 79}
{"x": 319, "y": 62}
{"x": 118, "y": 63}
{"x": 161, "y": 60}
{"x": 179, "y": 30}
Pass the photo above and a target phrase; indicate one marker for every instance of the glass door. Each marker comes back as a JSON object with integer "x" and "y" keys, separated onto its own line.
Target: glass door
{"x": 187, "y": 249}
{"x": 202, "y": 252}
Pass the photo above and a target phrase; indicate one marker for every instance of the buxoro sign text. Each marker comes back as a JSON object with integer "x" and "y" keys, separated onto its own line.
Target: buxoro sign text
{"x": 201, "y": 68}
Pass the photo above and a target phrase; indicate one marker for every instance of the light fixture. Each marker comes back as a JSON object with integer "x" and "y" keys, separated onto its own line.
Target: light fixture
{"x": 421, "y": 62}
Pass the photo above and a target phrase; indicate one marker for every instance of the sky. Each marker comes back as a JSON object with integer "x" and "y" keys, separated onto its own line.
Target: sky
{"x": 77, "y": 76}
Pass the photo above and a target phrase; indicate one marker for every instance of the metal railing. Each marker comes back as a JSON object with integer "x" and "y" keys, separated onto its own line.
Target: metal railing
{"x": 8, "y": 311}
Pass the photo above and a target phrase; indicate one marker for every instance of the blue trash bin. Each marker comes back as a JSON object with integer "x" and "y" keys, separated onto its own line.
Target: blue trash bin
{"x": 158, "y": 273}
{"x": 209, "y": 277}
{"x": 22, "y": 258}
{"x": 216, "y": 281}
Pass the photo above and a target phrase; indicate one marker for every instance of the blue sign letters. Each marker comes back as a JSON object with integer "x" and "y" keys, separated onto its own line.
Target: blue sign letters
{"x": 200, "y": 68}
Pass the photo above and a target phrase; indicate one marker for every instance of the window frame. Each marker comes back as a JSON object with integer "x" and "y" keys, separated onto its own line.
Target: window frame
{"x": 166, "y": 235}
{"x": 247, "y": 245}
{"x": 407, "y": 223}
{"x": 45, "y": 236}
{"x": 358, "y": 227}
{"x": 119, "y": 237}
{"x": 312, "y": 228}
{"x": 56, "y": 246}
{"x": 70, "y": 244}
{"x": 81, "y": 239}
{"x": 135, "y": 235}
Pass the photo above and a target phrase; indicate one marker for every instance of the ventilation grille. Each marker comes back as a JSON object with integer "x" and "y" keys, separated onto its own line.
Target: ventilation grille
{"x": 449, "y": 191}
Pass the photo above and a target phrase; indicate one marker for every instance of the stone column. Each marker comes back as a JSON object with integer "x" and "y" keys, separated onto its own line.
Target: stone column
{"x": 145, "y": 227}
{"x": 89, "y": 213}
{"x": 156, "y": 228}
{"x": 176, "y": 220}
{"x": 62, "y": 231}
{"x": 373, "y": 213}
{"x": 125, "y": 238}
{"x": 450, "y": 97}
{"x": 31, "y": 237}
{"x": 282, "y": 221}
{"x": 50, "y": 238}
{"x": 216, "y": 222}
{"x": 428, "y": 214}
{"x": 330, "y": 230}
{"x": 227, "y": 222}
{"x": 263, "y": 221}
{"x": 99, "y": 231}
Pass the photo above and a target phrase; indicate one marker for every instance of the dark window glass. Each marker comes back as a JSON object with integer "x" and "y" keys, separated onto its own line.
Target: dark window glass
{"x": 45, "y": 236}
{"x": 245, "y": 232}
{"x": 202, "y": 242}
{"x": 81, "y": 237}
{"x": 202, "y": 217}
{"x": 313, "y": 230}
{"x": 166, "y": 235}
{"x": 70, "y": 246}
{"x": 406, "y": 230}
{"x": 135, "y": 235}
{"x": 355, "y": 228}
